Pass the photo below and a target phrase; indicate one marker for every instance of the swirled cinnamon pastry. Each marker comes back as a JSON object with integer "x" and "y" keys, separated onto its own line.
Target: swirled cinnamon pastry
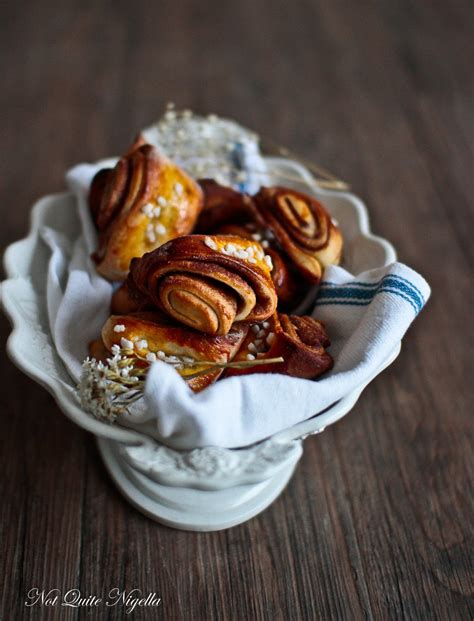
{"x": 294, "y": 227}
{"x": 302, "y": 227}
{"x": 140, "y": 204}
{"x": 300, "y": 341}
{"x": 206, "y": 281}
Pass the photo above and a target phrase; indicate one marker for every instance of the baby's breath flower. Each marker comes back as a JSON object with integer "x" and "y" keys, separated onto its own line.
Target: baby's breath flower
{"x": 106, "y": 390}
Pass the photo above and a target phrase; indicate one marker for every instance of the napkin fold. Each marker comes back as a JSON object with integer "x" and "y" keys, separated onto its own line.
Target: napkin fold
{"x": 366, "y": 316}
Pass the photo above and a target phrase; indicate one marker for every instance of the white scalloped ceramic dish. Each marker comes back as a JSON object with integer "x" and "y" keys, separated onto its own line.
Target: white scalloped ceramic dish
{"x": 205, "y": 489}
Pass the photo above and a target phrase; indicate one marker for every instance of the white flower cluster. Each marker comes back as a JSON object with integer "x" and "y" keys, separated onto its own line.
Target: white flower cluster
{"x": 107, "y": 390}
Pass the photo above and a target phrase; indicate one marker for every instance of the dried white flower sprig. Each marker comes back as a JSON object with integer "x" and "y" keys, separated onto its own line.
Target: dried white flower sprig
{"x": 108, "y": 389}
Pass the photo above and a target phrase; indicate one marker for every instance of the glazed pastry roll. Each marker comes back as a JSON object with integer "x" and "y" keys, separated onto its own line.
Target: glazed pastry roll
{"x": 300, "y": 341}
{"x": 222, "y": 205}
{"x": 139, "y": 205}
{"x": 151, "y": 336}
{"x": 302, "y": 228}
{"x": 206, "y": 282}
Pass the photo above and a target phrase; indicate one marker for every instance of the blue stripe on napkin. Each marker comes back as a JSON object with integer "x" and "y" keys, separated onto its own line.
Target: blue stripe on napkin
{"x": 362, "y": 293}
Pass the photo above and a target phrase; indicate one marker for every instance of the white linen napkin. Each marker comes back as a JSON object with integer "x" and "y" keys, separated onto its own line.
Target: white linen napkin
{"x": 366, "y": 316}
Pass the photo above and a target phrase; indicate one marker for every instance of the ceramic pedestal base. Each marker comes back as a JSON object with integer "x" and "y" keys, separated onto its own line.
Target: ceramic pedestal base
{"x": 191, "y": 509}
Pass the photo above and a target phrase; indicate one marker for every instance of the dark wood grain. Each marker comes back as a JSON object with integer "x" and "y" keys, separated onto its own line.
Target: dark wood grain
{"x": 377, "y": 520}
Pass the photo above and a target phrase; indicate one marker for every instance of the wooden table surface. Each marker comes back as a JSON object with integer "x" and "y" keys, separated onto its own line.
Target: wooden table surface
{"x": 376, "y": 521}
